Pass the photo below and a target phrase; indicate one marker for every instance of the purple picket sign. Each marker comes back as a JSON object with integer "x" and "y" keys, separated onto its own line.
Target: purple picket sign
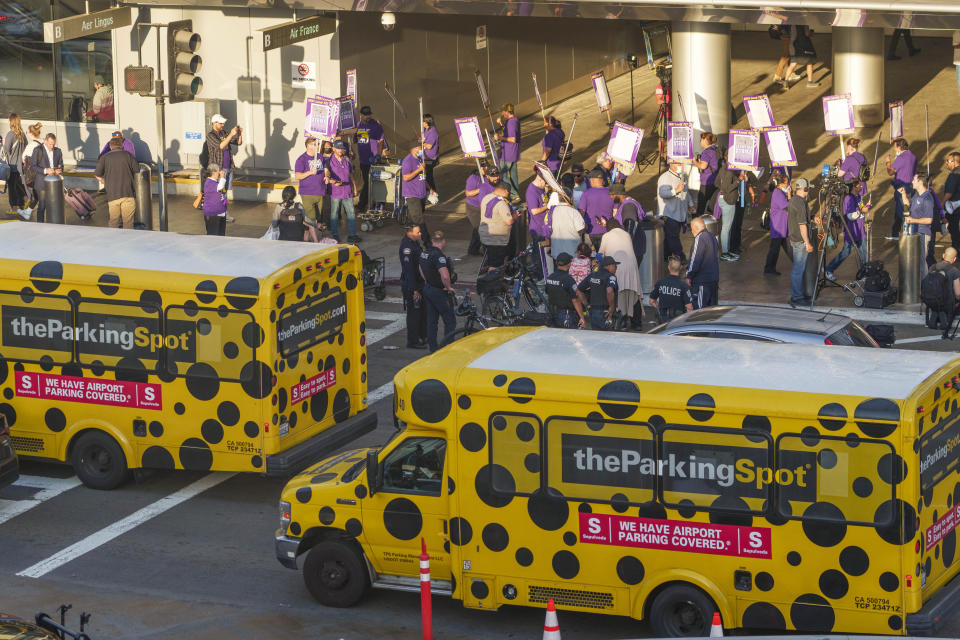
{"x": 838, "y": 114}
{"x": 624, "y": 143}
{"x": 759, "y": 111}
{"x": 471, "y": 137}
{"x": 743, "y": 149}
{"x": 780, "y": 146}
{"x": 680, "y": 142}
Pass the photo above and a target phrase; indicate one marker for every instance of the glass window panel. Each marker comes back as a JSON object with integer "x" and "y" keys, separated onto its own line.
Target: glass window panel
{"x": 86, "y": 69}
{"x": 37, "y": 326}
{"x": 210, "y": 336}
{"x": 118, "y": 334}
{"x": 26, "y": 63}
{"x": 415, "y": 466}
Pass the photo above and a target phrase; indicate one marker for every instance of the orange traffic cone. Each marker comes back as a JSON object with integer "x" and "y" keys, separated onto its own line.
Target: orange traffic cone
{"x": 716, "y": 629}
{"x": 551, "y": 629}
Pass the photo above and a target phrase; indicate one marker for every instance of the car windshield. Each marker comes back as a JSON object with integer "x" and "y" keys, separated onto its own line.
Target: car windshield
{"x": 852, "y": 334}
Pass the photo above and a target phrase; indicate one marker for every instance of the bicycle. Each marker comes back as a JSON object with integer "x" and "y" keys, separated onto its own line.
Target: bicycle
{"x": 474, "y": 320}
{"x": 501, "y": 288}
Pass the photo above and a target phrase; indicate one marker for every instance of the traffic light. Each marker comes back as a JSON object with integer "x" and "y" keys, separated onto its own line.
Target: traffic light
{"x": 183, "y": 64}
{"x": 138, "y": 79}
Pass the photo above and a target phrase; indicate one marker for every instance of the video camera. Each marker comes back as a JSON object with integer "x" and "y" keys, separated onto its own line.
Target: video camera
{"x": 833, "y": 189}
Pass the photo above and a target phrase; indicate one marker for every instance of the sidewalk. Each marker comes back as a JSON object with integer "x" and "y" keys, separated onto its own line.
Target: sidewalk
{"x": 927, "y": 79}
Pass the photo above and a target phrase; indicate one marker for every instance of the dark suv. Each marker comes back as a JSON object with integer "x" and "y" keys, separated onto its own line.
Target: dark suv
{"x": 9, "y": 467}
{"x": 768, "y": 324}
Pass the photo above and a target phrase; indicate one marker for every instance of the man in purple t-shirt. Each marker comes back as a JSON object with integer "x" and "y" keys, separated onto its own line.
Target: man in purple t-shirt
{"x": 414, "y": 187}
{"x": 537, "y": 209}
{"x": 902, "y": 170}
{"x": 370, "y": 143}
{"x": 338, "y": 174}
{"x": 509, "y": 148}
{"x": 596, "y": 204}
{"x": 431, "y": 150}
{"x": 309, "y": 171}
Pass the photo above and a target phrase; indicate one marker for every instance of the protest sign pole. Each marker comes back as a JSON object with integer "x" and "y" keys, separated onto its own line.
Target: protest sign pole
{"x": 536, "y": 92}
{"x": 926, "y": 131}
{"x": 493, "y": 151}
{"x": 566, "y": 147}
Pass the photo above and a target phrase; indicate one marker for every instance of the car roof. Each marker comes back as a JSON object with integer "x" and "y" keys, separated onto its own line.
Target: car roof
{"x": 758, "y": 316}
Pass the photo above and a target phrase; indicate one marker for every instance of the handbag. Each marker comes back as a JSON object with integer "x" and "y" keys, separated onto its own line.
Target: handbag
{"x": 198, "y": 201}
{"x": 4, "y": 168}
{"x": 272, "y": 233}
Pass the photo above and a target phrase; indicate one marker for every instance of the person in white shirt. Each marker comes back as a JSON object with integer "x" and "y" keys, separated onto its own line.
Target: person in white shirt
{"x": 567, "y": 226}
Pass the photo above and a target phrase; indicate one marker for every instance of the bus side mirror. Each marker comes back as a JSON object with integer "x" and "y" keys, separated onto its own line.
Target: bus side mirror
{"x": 373, "y": 472}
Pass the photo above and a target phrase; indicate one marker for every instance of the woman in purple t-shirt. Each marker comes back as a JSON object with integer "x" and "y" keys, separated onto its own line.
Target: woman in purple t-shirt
{"x": 708, "y": 163}
{"x": 552, "y": 144}
{"x": 851, "y": 164}
{"x": 779, "y": 230}
{"x": 431, "y": 150}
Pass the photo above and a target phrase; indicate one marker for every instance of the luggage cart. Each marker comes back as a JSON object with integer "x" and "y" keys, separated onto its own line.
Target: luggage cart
{"x": 384, "y": 196}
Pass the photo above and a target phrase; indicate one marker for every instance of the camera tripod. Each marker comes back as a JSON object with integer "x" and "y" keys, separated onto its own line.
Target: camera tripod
{"x": 660, "y": 130}
{"x": 832, "y": 230}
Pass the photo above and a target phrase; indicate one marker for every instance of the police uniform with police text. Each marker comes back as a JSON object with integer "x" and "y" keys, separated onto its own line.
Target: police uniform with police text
{"x": 595, "y": 286}
{"x": 561, "y": 290}
{"x": 438, "y": 304}
{"x": 672, "y": 294}
{"x": 411, "y": 281}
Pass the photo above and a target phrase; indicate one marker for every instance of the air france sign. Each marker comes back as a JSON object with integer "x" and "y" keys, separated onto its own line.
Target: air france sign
{"x": 298, "y": 31}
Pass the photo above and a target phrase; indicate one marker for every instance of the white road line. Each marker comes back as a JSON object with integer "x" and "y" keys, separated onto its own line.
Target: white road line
{"x": 383, "y": 315}
{"x": 49, "y": 488}
{"x": 120, "y": 527}
{"x": 920, "y": 339}
{"x": 380, "y": 393}
{"x": 376, "y": 335}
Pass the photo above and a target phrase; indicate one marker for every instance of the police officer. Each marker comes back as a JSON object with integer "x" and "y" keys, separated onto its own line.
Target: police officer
{"x": 671, "y": 295}
{"x": 437, "y": 272}
{"x": 561, "y": 288}
{"x": 601, "y": 287}
{"x": 411, "y": 284}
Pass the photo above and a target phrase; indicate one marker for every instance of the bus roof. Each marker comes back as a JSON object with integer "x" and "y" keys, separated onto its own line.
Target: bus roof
{"x": 169, "y": 252}
{"x": 748, "y": 364}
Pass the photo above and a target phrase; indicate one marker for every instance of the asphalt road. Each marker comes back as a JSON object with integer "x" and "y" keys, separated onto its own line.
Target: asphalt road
{"x": 190, "y": 555}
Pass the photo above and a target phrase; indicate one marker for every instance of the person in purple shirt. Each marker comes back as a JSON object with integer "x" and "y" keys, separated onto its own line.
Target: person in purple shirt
{"x": 431, "y": 149}
{"x": 537, "y": 209}
{"x": 214, "y": 202}
{"x": 127, "y": 145}
{"x": 475, "y": 183}
{"x": 310, "y": 171}
{"x": 339, "y": 175}
{"x": 509, "y": 148}
{"x": 370, "y": 144}
{"x": 779, "y": 230}
{"x": 708, "y": 162}
{"x": 902, "y": 170}
{"x": 596, "y": 204}
{"x": 552, "y": 144}
{"x": 414, "y": 187}
{"x": 854, "y": 231}
{"x": 851, "y": 165}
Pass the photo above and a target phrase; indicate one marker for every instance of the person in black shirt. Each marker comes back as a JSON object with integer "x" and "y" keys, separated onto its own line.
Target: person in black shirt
{"x": 562, "y": 298}
{"x": 671, "y": 295}
{"x": 411, "y": 285}
{"x": 951, "y": 198}
{"x": 437, "y": 273}
{"x": 601, "y": 287}
{"x": 703, "y": 272}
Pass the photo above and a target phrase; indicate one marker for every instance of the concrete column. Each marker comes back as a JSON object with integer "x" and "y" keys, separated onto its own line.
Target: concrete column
{"x": 858, "y": 70}
{"x": 701, "y": 75}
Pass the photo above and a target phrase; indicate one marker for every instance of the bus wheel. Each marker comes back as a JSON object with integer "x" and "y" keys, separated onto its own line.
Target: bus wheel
{"x": 99, "y": 461}
{"x": 335, "y": 574}
{"x": 681, "y": 611}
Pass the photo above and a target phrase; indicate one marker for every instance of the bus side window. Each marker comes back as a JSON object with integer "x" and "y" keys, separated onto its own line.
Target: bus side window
{"x": 415, "y": 466}
{"x": 220, "y": 338}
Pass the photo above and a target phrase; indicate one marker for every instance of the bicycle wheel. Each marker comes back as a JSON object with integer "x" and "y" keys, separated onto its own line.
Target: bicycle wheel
{"x": 496, "y": 308}
{"x": 533, "y": 295}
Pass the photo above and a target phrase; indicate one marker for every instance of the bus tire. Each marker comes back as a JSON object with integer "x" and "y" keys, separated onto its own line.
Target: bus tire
{"x": 335, "y": 574}
{"x": 681, "y": 610}
{"x": 98, "y": 461}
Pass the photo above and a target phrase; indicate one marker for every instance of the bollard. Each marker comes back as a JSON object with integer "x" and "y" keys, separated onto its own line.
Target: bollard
{"x": 651, "y": 266}
{"x": 53, "y": 199}
{"x": 713, "y": 226}
{"x": 813, "y": 262}
{"x": 908, "y": 289}
{"x": 426, "y": 607}
{"x": 143, "y": 218}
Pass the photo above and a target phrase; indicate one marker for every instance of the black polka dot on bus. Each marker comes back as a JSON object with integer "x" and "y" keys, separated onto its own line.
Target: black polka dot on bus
{"x": 202, "y": 381}
{"x": 949, "y": 546}
{"x": 812, "y": 613}
{"x": 46, "y": 276}
{"x": 27, "y": 295}
{"x": 619, "y": 399}
{"x": 619, "y": 503}
{"x": 203, "y": 326}
{"x": 242, "y": 292}
{"x": 833, "y": 584}
{"x": 525, "y": 431}
{"x": 8, "y": 394}
{"x": 295, "y": 528}
{"x": 179, "y": 408}
{"x": 151, "y": 301}
{"x": 451, "y": 486}
{"x": 97, "y": 368}
{"x": 341, "y": 405}
{"x": 827, "y": 458}
{"x": 479, "y": 589}
{"x": 304, "y": 494}
{"x": 353, "y": 527}
{"x": 301, "y": 290}
{"x": 794, "y": 558}
{"x": 473, "y": 437}
{"x": 531, "y": 462}
{"x": 548, "y": 509}
{"x": 255, "y": 379}
{"x": 351, "y": 282}
{"x": 256, "y": 461}
{"x": 852, "y": 440}
{"x": 891, "y": 468}
{"x": 46, "y": 362}
{"x": 810, "y": 436}
{"x": 281, "y": 399}
{"x": 326, "y": 515}
{"x": 4, "y": 369}
{"x": 329, "y": 363}
{"x": 55, "y": 420}
{"x": 700, "y": 407}
{"x": 252, "y": 335}
{"x": 595, "y": 421}
{"x": 522, "y": 390}
{"x": 345, "y": 365}
{"x": 686, "y": 508}
{"x": 463, "y": 402}
{"x": 763, "y": 615}
{"x": 895, "y": 521}
{"x": 108, "y": 284}
{"x": 832, "y": 416}
{"x": 869, "y": 411}
{"x": 569, "y": 538}
{"x": 823, "y": 524}
{"x": 889, "y": 581}
{"x": 318, "y": 405}
{"x": 70, "y": 369}
{"x": 764, "y": 581}
{"x": 431, "y": 401}
{"x": 927, "y": 566}
{"x": 652, "y": 510}
{"x": 565, "y": 564}
{"x": 461, "y": 532}
{"x": 320, "y": 478}
{"x": 732, "y": 510}
{"x": 524, "y": 557}
{"x": 195, "y": 455}
{"x": 206, "y": 291}
{"x": 155, "y": 457}
{"x": 630, "y": 570}
{"x": 230, "y": 349}
{"x": 191, "y": 308}
{"x": 760, "y": 425}
{"x": 402, "y": 519}
{"x": 499, "y": 380}
{"x": 212, "y": 431}
{"x": 495, "y": 537}
{"x": 228, "y": 413}
{"x": 854, "y": 561}
{"x": 156, "y": 428}
{"x": 130, "y": 369}
{"x": 502, "y": 479}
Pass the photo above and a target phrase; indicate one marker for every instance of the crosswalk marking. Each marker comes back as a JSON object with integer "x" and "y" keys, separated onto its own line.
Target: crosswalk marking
{"x": 48, "y": 488}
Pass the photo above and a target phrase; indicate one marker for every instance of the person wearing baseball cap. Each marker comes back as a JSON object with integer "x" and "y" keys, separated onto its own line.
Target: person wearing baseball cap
{"x": 798, "y": 224}
{"x": 339, "y": 175}
{"x": 600, "y": 290}
{"x": 371, "y": 142}
{"x": 221, "y": 147}
{"x": 596, "y": 204}
{"x": 562, "y": 299}
{"x": 509, "y": 148}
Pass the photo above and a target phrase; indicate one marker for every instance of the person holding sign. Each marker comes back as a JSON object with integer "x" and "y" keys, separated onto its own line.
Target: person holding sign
{"x": 537, "y": 208}
{"x": 708, "y": 162}
{"x": 310, "y": 171}
{"x": 509, "y": 148}
{"x": 851, "y": 167}
{"x": 552, "y": 144}
{"x": 902, "y": 170}
{"x": 431, "y": 149}
{"x": 370, "y": 144}
{"x": 414, "y": 187}
{"x": 339, "y": 176}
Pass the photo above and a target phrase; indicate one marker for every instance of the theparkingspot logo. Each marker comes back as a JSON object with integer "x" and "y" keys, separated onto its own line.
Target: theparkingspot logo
{"x": 310, "y": 321}
{"x": 685, "y": 467}
{"x": 938, "y": 453}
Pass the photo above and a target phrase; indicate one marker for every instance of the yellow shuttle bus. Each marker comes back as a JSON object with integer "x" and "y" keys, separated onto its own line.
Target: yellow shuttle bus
{"x": 788, "y": 487}
{"x": 122, "y": 349}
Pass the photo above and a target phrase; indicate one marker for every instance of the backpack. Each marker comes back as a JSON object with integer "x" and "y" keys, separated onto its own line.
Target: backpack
{"x": 204, "y": 157}
{"x": 864, "y": 174}
{"x": 936, "y": 292}
{"x": 31, "y": 166}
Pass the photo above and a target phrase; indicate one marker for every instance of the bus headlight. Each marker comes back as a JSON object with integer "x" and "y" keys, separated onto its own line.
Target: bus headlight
{"x": 284, "y": 516}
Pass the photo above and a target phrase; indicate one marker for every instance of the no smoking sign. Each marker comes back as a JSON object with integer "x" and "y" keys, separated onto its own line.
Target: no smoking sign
{"x": 304, "y": 75}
